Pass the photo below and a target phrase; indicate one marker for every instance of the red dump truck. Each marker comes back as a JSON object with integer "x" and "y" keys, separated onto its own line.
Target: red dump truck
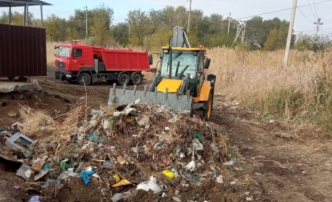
{"x": 76, "y": 62}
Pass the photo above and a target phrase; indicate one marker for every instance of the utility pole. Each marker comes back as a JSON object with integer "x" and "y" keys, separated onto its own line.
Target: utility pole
{"x": 237, "y": 34}
{"x": 241, "y": 30}
{"x": 129, "y": 26}
{"x": 244, "y": 25}
{"x": 10, "y": 15}
{"x": 318, "y": 23}
{"x": 189, "y": 16}
{"x": 26, "y": 15}
{"x": 229, "y": 23}
{"x": 86, "y": 22}
{"x": 41, "y": 15}
{"x": 290, "y": 31}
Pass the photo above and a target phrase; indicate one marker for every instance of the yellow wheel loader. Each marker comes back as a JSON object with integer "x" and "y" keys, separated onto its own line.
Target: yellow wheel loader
{"x": 180, "y": 82}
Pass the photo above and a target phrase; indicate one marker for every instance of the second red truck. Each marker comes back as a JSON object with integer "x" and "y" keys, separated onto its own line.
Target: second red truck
{"x": 83, "y": 64}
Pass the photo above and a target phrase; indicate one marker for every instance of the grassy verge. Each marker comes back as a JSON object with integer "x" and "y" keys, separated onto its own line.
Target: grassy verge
{"x": 311, "y": 106}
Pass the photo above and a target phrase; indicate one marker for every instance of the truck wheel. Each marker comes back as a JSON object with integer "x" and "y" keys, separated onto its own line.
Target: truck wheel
{"x": 137, "y": 79}
{"x": 86, "y": 78}
{"x": 123, "y": 79}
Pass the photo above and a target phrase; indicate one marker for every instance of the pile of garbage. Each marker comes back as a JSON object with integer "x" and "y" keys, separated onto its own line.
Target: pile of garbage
{"x": 135, "y": 147}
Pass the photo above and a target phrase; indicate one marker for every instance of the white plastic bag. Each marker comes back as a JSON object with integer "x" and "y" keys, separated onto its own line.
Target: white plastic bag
{"x": 106, "y": 124}
{"x": 34, "y": 199}
{"x": 191, "y": 166}
{"x": 150, "y": 185}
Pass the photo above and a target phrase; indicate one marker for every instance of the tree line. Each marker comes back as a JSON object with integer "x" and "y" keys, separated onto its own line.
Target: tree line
{"x": 152, "y": 29}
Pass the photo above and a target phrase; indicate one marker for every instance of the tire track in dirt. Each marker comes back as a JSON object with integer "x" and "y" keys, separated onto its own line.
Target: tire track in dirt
{"x": 288, "y": 169}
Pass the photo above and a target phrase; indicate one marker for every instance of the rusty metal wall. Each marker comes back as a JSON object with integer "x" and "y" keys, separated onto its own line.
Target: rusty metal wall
{"x": 22, "y": 51}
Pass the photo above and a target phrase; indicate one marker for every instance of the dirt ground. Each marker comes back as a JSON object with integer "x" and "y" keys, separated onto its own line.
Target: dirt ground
{"x": 274, "y": 160}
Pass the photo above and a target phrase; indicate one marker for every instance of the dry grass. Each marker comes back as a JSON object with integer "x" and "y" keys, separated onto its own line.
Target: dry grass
{"x": 50, "y": 52}
{"x": 34, "y": 121}
{"x": 260, "y": 82}
{"x": 252, "y": 74}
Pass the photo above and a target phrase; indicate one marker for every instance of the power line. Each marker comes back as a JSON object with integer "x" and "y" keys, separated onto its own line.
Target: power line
{"x": 312, "y": 10}
{"x": 281, "y": 10}
{"x": 315, "y": 8}
{"x": 308, "y": 30}
{"x": 305, "y": 15}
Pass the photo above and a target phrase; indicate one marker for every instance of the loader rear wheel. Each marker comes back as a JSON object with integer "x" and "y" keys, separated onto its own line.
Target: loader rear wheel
{"x": 123, "y": 79}
{"x": 208, "y": 111}
{"x": 137, "y": 79}
{"x": 84, "y": 79}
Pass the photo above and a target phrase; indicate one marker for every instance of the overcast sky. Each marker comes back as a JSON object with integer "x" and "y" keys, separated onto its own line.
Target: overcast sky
{"x": 304, "y": 20}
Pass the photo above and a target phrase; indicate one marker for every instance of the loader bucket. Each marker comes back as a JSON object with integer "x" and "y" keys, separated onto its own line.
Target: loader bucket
{"x": 177, "y": 103}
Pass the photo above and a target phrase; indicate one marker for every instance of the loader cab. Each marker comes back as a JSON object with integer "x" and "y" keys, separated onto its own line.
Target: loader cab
{"x": 181, "y": 63}
{"x": 178, "y": 64}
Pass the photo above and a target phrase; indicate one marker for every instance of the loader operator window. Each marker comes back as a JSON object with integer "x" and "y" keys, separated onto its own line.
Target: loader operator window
{"x": 64, "y": 51}
{"x": 183, "y": 63}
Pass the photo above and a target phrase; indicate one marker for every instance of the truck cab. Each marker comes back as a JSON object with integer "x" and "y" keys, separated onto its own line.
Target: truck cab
{"x": 71, "y": 59}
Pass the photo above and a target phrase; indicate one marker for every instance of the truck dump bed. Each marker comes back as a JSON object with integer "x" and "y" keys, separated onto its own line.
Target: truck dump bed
{"x": 124, "y": 60}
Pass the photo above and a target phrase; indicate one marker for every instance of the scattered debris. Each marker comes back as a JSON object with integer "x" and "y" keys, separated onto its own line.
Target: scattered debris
{"x": 176, "y": 199}
{"x": 285, "y": 135}
{"x": 120, "y": 196}
{"x": 85, "y": 176}
{"x": 150, "y": 185}
{"x": 12, "y": 114}
{"x": 233, "y": 182}
{"x": 16, "y": 187}
{"x": 116, "y": 148}
{"x": 169, "y": 174}
{"x": 23, "y": 171}
{"x": 35, "y": 199}
{"x": 229, "y": 163}
{"x": 220, "y": 179}
{"x": 121, "y": 183}
{"x": 24, "y": 141}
